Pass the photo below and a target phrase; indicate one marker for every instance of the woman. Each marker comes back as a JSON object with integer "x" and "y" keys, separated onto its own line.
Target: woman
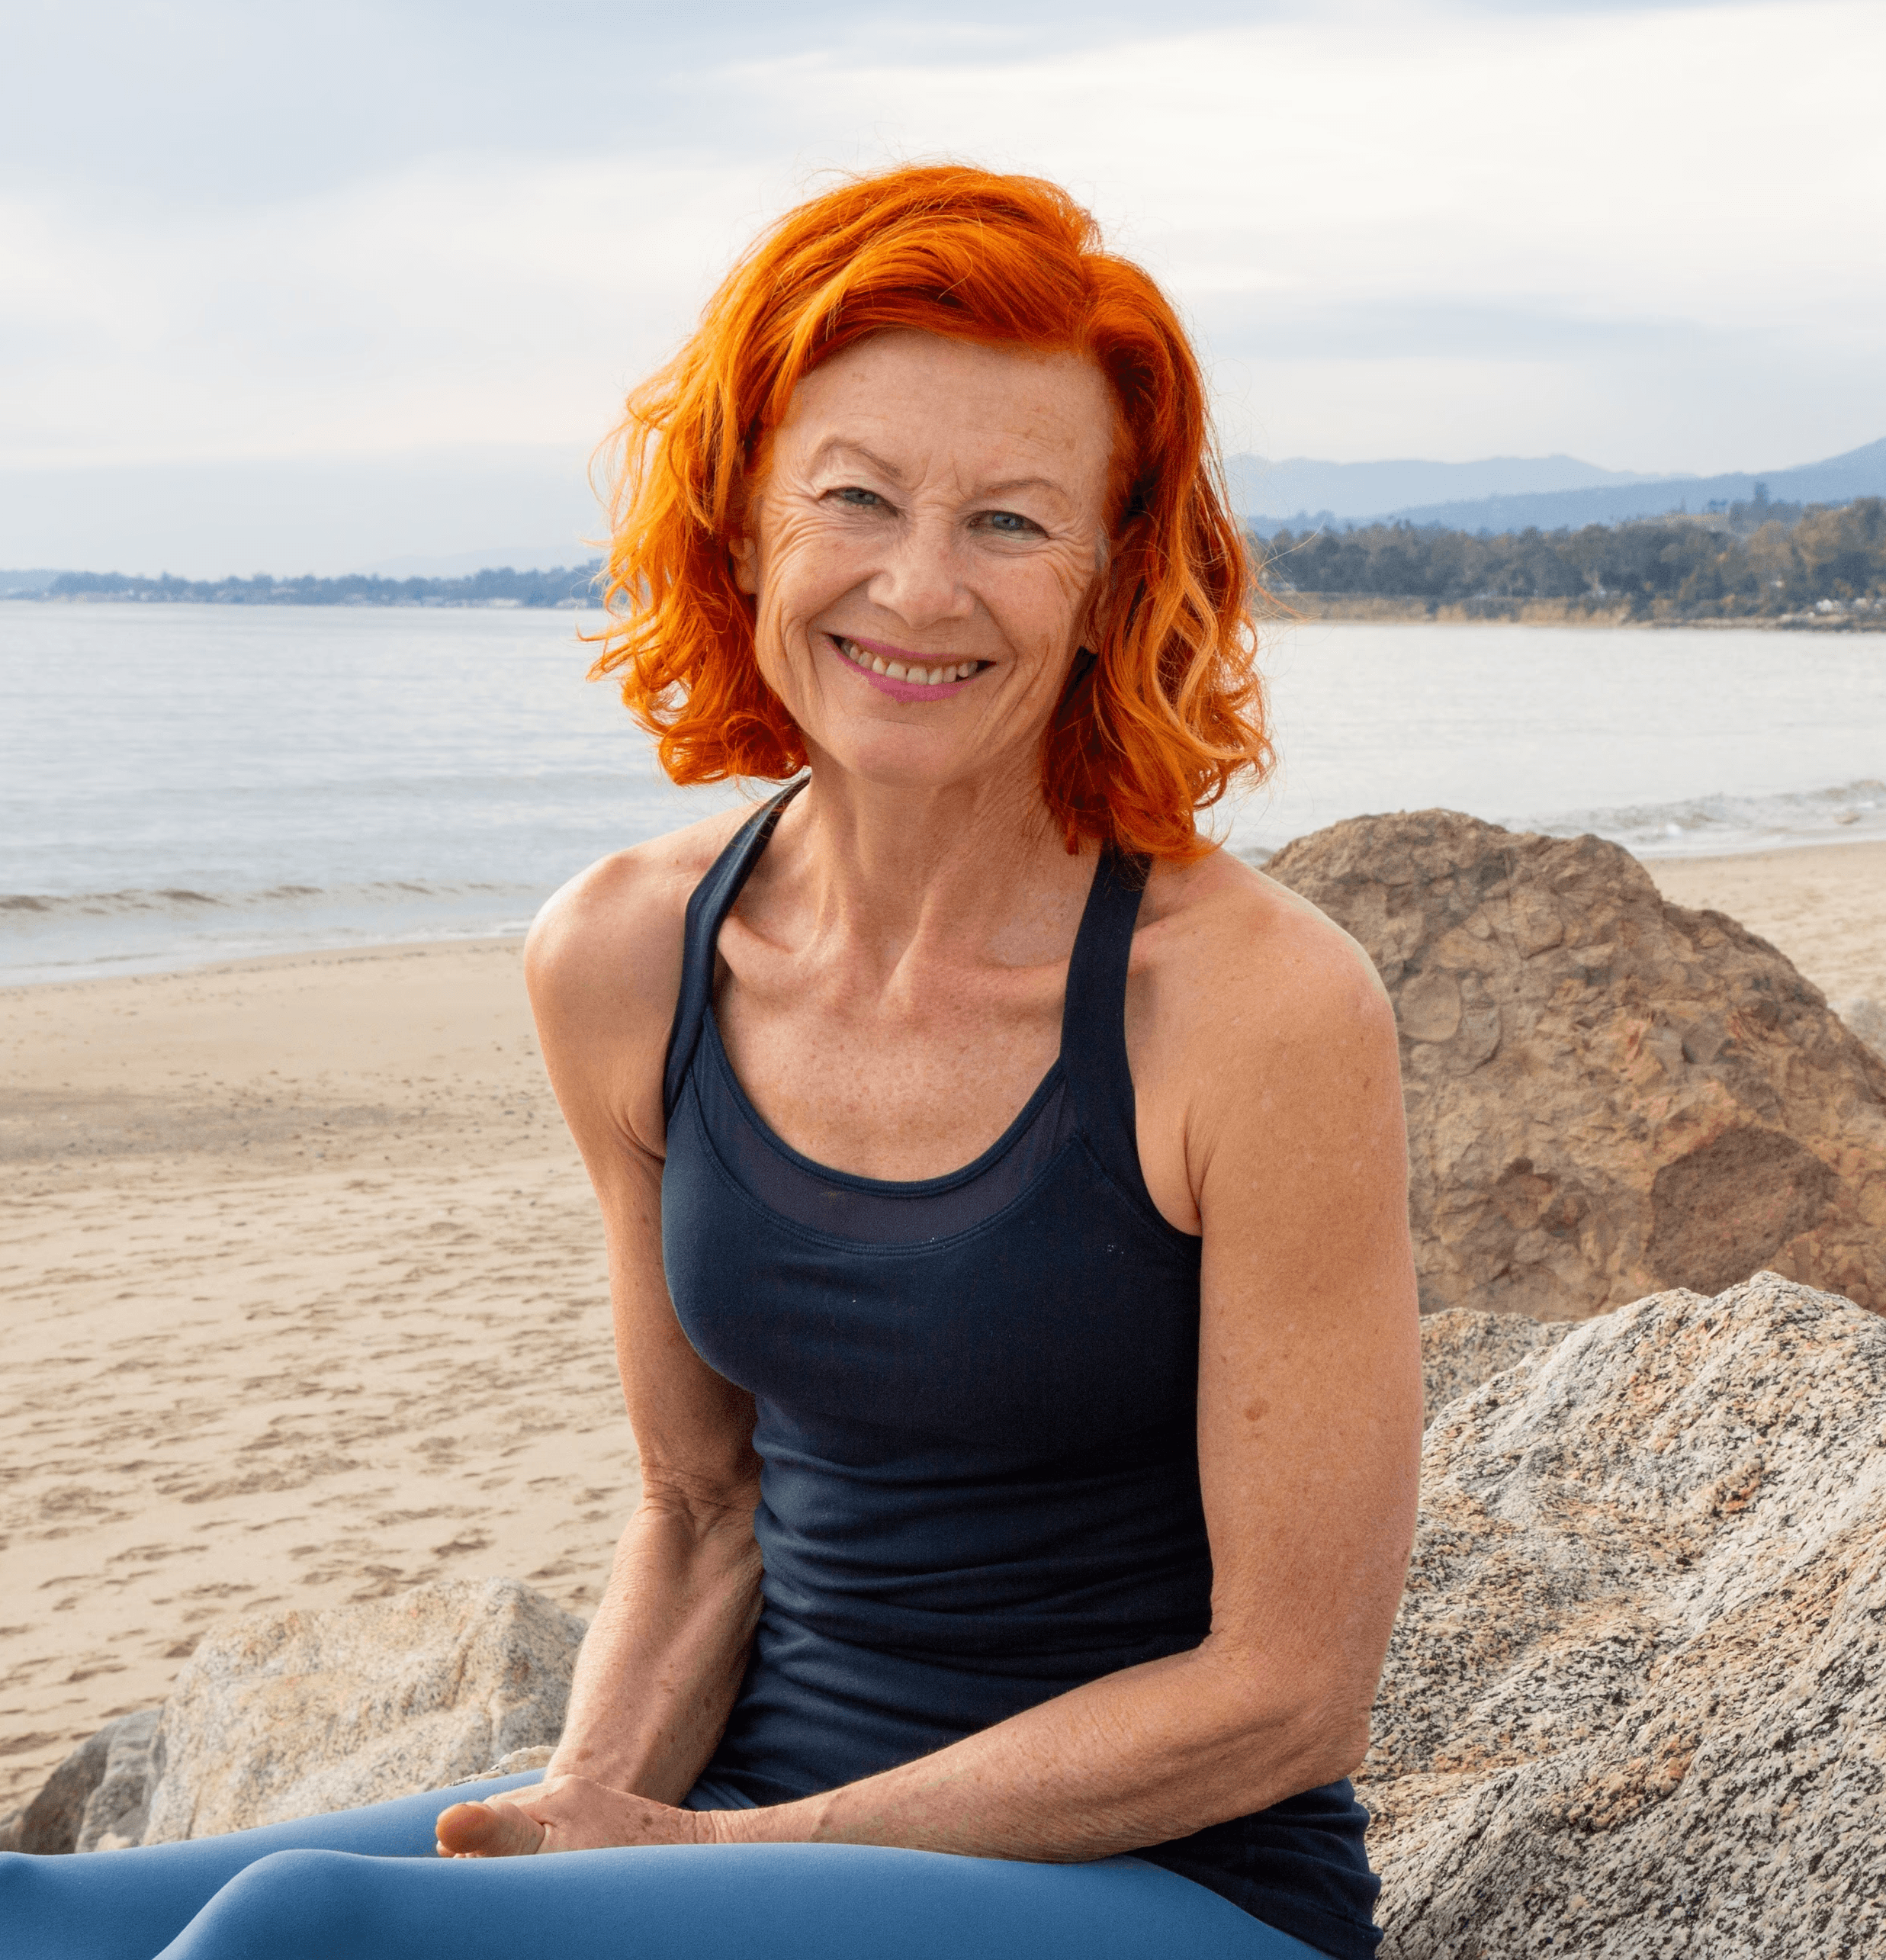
{"x": 1003, "y": 1192}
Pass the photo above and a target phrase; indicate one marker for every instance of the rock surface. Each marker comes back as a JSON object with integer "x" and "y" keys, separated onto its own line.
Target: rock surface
{"x": 1459, "y": 1349}
{"x": 1607, "y": 1095}
{"x": 95, "y": 1799}
{"x": 515, "y": 1761}
{"x": 1635, "y": 1703}
{"x": 118, "y": 1811}
{"x": 281, "y": 1715}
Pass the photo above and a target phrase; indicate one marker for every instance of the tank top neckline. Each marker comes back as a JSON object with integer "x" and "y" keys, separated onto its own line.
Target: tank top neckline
{"x": 914, "y": 1187}
{"x": 943, "y": 1180}
{"x": 1087, "y": 1092}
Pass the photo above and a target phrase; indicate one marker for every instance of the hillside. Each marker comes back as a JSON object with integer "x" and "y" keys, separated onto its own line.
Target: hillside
{"x": 1511, "y": 494}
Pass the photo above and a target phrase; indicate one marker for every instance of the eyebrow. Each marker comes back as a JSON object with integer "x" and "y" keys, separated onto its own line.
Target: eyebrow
{"x": 837, "y": 447}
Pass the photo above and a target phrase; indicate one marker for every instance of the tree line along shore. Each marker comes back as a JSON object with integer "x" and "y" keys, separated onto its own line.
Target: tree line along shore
{"x": 1755, "y": 564}
{"x": 1820, "y": 567}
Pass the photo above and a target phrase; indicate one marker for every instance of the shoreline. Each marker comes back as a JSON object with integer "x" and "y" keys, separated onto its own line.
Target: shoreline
{"x": 1297, "y": 608}
{"x": 161, "y": 967}
{"x": 390, "y": 949}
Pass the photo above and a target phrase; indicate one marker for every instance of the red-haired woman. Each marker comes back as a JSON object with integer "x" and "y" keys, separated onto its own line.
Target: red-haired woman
{"x": 1003, "y": 1189}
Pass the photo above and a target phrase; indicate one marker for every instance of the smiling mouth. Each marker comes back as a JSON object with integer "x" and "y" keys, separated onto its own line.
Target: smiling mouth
{"x": 912, "y": 672}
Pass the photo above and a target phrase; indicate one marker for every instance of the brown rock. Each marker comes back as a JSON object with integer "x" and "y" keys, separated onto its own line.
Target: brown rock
{"x": 1606, "y": 1094}
{"x": 281, "y": 1715}
{"x": 1635, "y": 1697}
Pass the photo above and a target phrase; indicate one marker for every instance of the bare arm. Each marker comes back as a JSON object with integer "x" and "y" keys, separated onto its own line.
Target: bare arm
{"x": 1309, "y": 1403}
{"x": 662, "y": 1661}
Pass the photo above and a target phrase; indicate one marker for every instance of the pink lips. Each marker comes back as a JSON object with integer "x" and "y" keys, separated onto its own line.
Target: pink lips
{"x": 898, "y": 690}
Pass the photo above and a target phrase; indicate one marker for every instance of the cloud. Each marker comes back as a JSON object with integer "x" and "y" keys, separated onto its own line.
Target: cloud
{"x": 1642, "y": 234}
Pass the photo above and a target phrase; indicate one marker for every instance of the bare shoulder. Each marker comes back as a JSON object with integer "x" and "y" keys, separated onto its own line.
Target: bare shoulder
{"x": 1261, "y": 1039}
{"x": 1227, "y": 949}
{"x": 602, "y": 961}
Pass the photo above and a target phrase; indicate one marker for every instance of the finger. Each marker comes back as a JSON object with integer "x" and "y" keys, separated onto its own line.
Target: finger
{"x": 488, "y": 1830}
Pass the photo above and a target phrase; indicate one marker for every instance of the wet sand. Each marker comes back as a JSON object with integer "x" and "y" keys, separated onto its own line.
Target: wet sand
{"x": 304, "y": 1298}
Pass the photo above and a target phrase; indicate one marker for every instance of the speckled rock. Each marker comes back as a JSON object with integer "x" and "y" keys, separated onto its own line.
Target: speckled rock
{"x": 1607, "y": 1094}
{"x": 281, "y": 1715}
{"x": 1459, "y": 1349}
{"x": 515, "y": 1761}
{"x": 1635, "y": 1703}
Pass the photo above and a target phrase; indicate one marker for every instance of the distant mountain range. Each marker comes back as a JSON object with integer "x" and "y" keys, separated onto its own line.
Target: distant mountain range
{"x": 1510, "y": 493}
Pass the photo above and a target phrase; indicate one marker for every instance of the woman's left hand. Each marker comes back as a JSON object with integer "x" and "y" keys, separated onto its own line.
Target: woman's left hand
{"x": 563, "y": 1814}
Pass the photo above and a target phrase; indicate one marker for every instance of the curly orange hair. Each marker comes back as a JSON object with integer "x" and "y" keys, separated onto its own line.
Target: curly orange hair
{"x": 1168, "y": 713}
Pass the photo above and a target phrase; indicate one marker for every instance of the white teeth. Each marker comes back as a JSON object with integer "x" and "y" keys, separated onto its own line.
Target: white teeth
{"x": 921, "y": 676}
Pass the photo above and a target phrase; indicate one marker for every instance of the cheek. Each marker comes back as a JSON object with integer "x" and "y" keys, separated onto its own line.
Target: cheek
{"x": 1049, "y": 609}
{"x": 805, "y": 569}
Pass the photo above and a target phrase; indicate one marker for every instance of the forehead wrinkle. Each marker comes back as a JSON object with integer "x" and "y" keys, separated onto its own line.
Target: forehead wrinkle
{"x": 836, "y": 447}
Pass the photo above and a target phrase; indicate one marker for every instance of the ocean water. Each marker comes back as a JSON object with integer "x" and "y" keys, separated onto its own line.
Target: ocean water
{"x": 181, "y": 784}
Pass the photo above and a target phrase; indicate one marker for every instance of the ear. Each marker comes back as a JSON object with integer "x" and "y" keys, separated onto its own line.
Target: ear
{"x": 745, "y": 555}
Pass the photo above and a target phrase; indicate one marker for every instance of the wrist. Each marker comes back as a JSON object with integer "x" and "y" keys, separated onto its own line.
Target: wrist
{"x": 718, "y": 1826}
{"x": 800, "y": 1822}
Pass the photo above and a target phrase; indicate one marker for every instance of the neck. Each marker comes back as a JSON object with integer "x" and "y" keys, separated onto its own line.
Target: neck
{"x": 952, "y": 872}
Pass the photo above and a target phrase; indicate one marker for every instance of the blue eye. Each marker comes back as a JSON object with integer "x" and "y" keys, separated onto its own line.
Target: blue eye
{"x": 1010, "y": 523}
{"x": 859, "y": 499}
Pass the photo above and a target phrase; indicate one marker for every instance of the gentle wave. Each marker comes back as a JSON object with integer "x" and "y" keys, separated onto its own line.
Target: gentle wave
{"x": 182, "y": 903}
{"x": 1728, "y": 825}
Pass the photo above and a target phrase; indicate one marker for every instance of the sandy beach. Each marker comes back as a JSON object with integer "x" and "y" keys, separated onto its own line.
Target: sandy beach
{"x": 305, "y": 1302}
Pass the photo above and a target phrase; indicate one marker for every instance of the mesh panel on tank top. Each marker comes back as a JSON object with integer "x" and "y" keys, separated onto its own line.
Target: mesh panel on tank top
{"x": 876, "y": 1211}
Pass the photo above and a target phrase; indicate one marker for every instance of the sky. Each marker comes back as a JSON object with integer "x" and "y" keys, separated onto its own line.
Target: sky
{"x": 307, "y": 283}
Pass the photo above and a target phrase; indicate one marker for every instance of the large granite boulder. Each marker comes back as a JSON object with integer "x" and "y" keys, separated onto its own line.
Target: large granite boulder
{"x": 1607, "y": 1094}
{"x": 280, "y": 1715}
{"x": 1635, "y": 1702}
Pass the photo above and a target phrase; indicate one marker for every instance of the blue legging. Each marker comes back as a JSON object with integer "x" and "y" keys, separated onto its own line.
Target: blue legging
{"x": 366, "y": 1885}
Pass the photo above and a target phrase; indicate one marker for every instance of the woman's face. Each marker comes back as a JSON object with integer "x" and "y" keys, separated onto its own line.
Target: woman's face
{"x": 925, "y": 549}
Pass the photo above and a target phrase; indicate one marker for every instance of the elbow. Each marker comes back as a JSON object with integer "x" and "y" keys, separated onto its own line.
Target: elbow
{"x": 1339, "y": 1742}
{"x": 1322, "y": 1739}
{"x": 1315, "y": 1732}
{"x": 702, "y": 1510}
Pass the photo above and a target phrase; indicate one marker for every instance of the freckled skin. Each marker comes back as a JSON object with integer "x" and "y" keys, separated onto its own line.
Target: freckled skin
{"x": 890, "y": 990}
{"x": 956, "y": 512}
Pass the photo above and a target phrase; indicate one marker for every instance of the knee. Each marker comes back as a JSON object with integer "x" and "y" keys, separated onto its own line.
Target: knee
{"x": 24, "y": 1896}
{"x": 16, "y": 1880}
{"x": 291, "y": 1905}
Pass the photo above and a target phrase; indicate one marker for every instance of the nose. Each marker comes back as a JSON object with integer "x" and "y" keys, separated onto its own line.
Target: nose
{"x": 921, "y": 577}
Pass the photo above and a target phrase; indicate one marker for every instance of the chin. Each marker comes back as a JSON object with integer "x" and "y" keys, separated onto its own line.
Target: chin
{"x": 906, "y": 758}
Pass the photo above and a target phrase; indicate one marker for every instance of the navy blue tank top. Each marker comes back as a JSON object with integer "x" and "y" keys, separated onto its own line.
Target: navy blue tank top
{"x": 976, "y": 1417}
